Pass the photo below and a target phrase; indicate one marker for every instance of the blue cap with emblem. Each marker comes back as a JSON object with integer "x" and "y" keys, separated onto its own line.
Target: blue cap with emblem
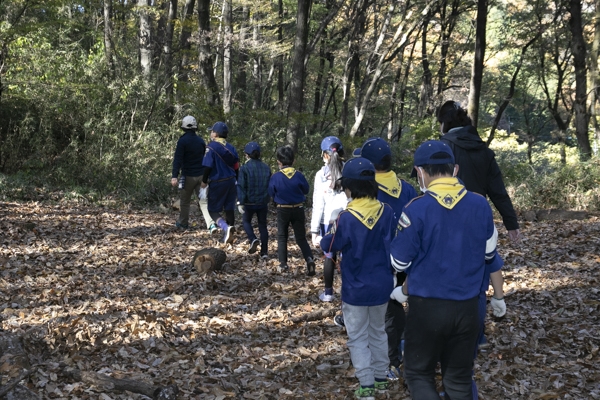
{"x": 355, "y": 168}
{"x": 250, "y": 147}
{"x": 375, "y": 149}
{"x": 219, "y": 127}
{"x": 432, "y": 152}
{"x": 330, "y": 141}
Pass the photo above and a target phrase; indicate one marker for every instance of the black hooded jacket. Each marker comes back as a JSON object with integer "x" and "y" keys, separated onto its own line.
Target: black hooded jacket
{"x": 479, "y": 170}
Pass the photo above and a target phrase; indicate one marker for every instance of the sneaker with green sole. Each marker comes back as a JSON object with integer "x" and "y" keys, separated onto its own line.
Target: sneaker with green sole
{"x": 381, "y": 386}
{"x": 365, "y": 393}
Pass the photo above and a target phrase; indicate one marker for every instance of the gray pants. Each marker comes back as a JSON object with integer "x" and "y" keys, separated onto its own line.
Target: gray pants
{"x": 367, "y": 341}
{"x": 192, "y": 187}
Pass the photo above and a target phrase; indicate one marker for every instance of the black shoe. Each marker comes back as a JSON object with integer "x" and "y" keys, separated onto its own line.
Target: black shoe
{"x": 253, "y": 246}
{"x": 283, "y": 268}
{"x": 310, "y": 267}
{"x": 339, "y": 320}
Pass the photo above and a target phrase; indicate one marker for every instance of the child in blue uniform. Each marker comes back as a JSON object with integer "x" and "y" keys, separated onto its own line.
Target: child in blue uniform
{"x": 253, "y": 197}
{"x": 444, "y": 239}
{"x": 397, "y": 193}
{"x": 221, "y": 164}
{"x": 289, "y": 188}
{"x": 363, "y": 234}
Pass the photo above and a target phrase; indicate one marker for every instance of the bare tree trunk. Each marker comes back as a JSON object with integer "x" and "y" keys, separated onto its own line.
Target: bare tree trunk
{"x": 242, "y": 85}
{"x": 108, "y": 41}
{"x": 168, "y": 55}
{"x": 425, "y": 99}
{"x": 257, "y": 62}
{"x": 280, "y": 75}
{"x": 184, "y": 44}
{"x": 580, "y": 104}
{"x": 227, "y": 36}
{"x": 296, "y": 97}
{"x": 594, "y": 75}
{"x": 145, "y": 37}
{"x": 477, "y": 68}
{"x": 447, "y": 27}
{"x": 205, "y": 56}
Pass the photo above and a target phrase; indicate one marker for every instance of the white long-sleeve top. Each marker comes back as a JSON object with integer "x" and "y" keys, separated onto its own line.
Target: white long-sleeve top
{"x": 325, "y": 200}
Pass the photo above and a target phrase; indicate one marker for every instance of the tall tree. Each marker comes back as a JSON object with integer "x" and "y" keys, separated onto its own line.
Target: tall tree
{"x": 145, "y": 37}
{"x": 204, "y": 54}
{"x": 580, "y": 104}
{"x": 168, "y": 53}
{"x": 241, "y": 80}
{"x": 108, "y": 40}
{"x": 296, "y": 97}
{"x": 477, "y": 68}
{"x": 594, "y": 74}
{"x": 227, "y": 37}
{"x": 426, "y": 97}
{"x": 184, "y": 44}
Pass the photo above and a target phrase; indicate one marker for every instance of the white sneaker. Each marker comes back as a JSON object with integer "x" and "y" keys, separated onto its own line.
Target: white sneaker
{"x": 326, "y": 297}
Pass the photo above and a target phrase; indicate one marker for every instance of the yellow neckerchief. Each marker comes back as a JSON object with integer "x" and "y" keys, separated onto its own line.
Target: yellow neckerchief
{"x": 388, "y": 183}
{"x": 288, "y": 171}
{"x": 220, "y": 140}
{"x": 447, "y": 191}
{"x": 366, "y": 210}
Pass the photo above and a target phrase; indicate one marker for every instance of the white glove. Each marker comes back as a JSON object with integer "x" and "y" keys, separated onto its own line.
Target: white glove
{"x": 316, "y": 239}
{"x": 203, "y": 194}
{"x": 498, "y": 307}
{"x": 334, "y": 215}
{"x": 241, "y": 209}
{"x": 398, "y": 295}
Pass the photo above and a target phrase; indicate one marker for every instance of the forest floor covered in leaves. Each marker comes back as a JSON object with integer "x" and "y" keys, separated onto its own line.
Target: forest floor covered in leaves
{"x": 113, "y": 291}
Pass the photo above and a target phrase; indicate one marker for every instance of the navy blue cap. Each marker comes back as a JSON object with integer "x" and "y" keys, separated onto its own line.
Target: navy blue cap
{"x": 375, "y": 149}
{"x": 355, "y": 166}
{"x": 219, "y": 127}
{"x": 426, "y": 151}
{"x": 330, "y": 141}
{"x": 250, "y": 147}
{"x": 356, "y": 152}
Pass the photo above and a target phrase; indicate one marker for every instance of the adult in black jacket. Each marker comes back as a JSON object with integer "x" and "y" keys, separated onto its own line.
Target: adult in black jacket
{"x": 478, "y": 170}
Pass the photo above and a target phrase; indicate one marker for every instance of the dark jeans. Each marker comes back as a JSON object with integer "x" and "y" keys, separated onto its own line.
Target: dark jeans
{"x": 294, "y": 216}
{"x": 445, "y": 331}
{"x": 395, "y": 320}
{"x": 261, "y": 215}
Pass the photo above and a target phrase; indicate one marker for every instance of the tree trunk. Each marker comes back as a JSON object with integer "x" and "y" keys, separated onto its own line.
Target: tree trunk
{"x": 242, "y": 90}
{"x": 184, "y": 45}
{"x": 168, "y": 56}
{"x": 145, "y": 37}
{"x": 447, "y": 27}
{"x": 296, "y": 97}
{"x": 204, "y": 54}
{"x": 257, "y": 62}
{"x": 426, "y": 97}
{"x": 477, "y": 68}
{"x": 108, "y": 41}
{"x": 594, "y": 75}
{"x": 227, "y": 36}
{"x": 580, "y": 104}
{"x": 280, "y": 75}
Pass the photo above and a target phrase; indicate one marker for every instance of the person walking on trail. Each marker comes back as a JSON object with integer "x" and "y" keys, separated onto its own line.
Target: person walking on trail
{"x": 253, "y": 198}
{"x": 363, "y": 234}
{"x": 188, "y": 157}
{"x": 289, "y": 188}
{"x": 328, "y": 200}
{"x": 479, "y": 170}
{"x": 444, "y": 240}
{"x": 221, "y": 164}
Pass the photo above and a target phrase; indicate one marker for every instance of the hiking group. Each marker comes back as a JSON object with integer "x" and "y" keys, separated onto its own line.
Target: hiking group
{"x": 434, "y": 252}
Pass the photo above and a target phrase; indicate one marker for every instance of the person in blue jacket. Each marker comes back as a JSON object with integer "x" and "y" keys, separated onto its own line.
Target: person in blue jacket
{"x": 397, "y": 193}
{"x": 443, "y": 242}
{"x": 363, "y": 234}
{"x": 253, "y": 198}
{"x": 289, "y": 188}
{"x": 221, "y": 164}
{"x": 188, "y": 158}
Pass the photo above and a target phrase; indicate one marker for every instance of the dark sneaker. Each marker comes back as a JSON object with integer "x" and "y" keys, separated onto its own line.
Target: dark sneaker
{"x": 228, "y": 235}
{"x": 310, "y": 267}
{"x": 213, "y": 229}
{"x": 283, "y": 268}
{"x": 339, "y": 320}
{"x": 177, "y": 224}
{"x": 253, "y": 246}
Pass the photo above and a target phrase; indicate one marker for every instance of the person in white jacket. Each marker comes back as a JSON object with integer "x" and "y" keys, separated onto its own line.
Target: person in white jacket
{"x": 328, "y": 200}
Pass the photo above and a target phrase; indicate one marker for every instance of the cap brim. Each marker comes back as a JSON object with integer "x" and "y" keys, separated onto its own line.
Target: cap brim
{"x": 356, "y": 152}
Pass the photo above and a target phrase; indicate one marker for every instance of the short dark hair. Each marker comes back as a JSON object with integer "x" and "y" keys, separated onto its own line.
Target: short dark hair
{"x": 285, "y": 155}
{"x": 452, "y": 115}
{"x": 360, "y": 188}
{"x": 385, "y": 164}
{"x": 222, "y": 135}
{"x": 255, "y": 155}
{"x": 438, "y": 169}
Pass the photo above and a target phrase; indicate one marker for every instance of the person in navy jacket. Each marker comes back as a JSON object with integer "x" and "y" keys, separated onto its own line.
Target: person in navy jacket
{"x": 363, "y": 234}
{"x": 289, "y": 188}
{"x": 444, "y": 240}
{"x": 221, "y": 165}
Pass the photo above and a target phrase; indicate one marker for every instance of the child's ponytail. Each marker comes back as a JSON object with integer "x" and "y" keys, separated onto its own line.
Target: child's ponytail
{"x": 336, "y": 163}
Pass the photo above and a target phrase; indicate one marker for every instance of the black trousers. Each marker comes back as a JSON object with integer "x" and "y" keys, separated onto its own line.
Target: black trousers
{"x": 444, "y": 331}
{"x": 291, "y": 216}
{"x": 395, "y": 320}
